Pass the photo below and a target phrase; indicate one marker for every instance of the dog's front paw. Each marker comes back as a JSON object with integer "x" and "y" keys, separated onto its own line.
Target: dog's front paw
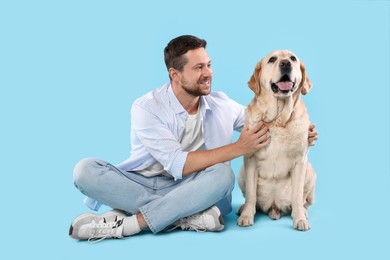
{"x": 245, "y": 221}
{"x": 301, "y": 224}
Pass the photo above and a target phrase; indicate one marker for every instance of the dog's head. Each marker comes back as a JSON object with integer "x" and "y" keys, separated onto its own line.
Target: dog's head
{"x": 280, "y": 73}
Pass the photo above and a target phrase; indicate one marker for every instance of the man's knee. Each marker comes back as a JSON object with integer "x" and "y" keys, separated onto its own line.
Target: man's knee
{"x": 84, "y": 171}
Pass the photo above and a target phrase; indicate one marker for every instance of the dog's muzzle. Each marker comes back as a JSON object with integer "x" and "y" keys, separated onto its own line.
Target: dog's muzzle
{"x": 284, "y": 85}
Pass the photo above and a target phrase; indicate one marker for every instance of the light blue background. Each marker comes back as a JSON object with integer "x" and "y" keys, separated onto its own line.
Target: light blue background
{"x": 69, "y": 71}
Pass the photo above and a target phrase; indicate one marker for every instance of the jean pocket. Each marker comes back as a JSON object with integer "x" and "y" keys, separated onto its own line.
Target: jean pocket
{"x": 164, "y": 182}
{"x": 147, "y": 182}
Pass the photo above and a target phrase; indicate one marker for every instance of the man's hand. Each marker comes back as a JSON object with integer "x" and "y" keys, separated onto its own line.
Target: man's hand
{"x": 313, "y": 135}
{"x": 254, "y": 138}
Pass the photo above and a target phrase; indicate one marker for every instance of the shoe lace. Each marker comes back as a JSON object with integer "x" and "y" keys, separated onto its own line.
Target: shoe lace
{"x": 103, "y": 230}
{"x": 195, "y": 223}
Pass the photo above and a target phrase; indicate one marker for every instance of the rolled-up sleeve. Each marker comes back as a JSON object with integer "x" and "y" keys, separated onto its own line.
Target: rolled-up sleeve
{"x": 158, "y": 139}
{"x": 239, "y": 115}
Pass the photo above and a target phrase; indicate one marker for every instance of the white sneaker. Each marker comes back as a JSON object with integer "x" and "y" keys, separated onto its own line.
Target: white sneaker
{"x": 93, "y": 227}
{"x": 208, "y": 220}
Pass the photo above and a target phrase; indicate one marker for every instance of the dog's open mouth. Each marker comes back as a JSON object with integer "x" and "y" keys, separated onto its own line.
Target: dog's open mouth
{"x": 284, "y": 85}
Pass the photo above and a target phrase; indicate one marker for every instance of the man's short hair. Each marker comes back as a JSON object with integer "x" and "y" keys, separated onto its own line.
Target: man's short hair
{"x": 176, "y": 48}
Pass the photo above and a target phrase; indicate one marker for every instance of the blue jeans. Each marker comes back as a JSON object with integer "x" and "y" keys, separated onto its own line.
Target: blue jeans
{"x": 161, "y": 200}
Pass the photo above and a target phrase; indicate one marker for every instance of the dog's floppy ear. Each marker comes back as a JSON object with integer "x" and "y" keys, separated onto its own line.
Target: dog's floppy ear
{"x": 254, "y": 82}
{"x": 305, "y": 82}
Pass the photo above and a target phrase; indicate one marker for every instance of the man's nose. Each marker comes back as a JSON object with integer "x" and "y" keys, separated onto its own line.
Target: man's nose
{"x": 207, "y": 71}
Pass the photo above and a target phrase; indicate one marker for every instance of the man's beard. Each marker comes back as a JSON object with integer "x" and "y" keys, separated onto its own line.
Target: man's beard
{"x": 195, "y": 89}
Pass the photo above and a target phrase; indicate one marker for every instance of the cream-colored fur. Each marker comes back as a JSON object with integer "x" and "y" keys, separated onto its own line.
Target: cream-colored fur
{"x": 278, "y": 179}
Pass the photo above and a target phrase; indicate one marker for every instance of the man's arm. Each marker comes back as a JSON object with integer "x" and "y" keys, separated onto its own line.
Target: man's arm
{"x": 249, "y": 141}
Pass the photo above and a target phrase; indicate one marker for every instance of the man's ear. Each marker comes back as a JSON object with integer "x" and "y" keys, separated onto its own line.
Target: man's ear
{"x": 254, "y": 81}
{"x": 173, "y": 74}
{"x": 305, "y": 82}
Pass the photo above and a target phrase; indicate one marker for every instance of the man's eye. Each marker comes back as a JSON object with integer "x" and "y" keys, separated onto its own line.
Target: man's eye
{"x": 272, "y": 60}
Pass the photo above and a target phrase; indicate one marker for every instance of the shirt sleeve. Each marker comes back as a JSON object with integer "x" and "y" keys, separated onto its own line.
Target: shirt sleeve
{"x": 239, "y": 113}
{"x": 158, "y": 140}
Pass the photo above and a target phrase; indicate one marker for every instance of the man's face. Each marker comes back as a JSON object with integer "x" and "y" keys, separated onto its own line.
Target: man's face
{"x": 197, "y": 74}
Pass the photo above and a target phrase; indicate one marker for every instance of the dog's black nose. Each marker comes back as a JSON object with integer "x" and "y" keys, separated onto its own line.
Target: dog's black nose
{"x": 285, "y": 66}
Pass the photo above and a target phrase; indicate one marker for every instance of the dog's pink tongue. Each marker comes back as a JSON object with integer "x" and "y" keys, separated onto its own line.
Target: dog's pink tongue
{"x": 286, "y": 85}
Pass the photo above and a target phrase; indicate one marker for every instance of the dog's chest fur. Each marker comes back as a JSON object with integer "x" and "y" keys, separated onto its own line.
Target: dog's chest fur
{"x": 288, "y": 145}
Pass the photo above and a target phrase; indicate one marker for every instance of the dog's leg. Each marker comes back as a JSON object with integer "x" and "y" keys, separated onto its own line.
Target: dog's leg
{"x": 309, "y": 185}
{"x": 241, "y": 184}
{"x": 248, "y": 210}
{"x": 310, "y": 198}
{"x": 299, "y": 213}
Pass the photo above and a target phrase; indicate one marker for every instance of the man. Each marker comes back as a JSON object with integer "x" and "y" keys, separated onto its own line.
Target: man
{"x": 178, "y": 174}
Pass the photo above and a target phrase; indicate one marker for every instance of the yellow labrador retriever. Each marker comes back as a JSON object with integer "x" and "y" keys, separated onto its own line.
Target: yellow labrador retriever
{"x": 278, "y": 179}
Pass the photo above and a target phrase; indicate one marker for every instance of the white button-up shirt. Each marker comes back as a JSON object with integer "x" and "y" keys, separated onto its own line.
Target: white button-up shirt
{"x": 158, "y": 123}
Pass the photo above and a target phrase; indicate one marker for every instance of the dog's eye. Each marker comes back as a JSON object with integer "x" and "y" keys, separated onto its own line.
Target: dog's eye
{"x": 293, "y": 58}
{"x": 272, "y": 60}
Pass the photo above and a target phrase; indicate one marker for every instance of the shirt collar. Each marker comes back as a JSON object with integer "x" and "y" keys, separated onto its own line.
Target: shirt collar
{"x": 178, "y": 108}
